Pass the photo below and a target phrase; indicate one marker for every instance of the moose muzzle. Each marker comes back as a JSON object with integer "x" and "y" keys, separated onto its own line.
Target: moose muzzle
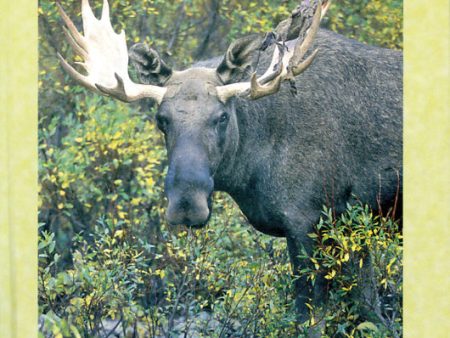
{"x": 189, "y": 187}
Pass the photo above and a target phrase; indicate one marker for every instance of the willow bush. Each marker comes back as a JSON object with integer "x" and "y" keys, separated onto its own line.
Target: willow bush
{"x": 109, "y": 263}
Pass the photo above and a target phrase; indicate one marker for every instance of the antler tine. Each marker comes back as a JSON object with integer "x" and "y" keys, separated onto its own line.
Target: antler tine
{"x": 325, "y": 5}
{"x": 106, "y": 20}
{"x": 257, "y": 91}
{"x": 78, "y": 49}
{"x": 298, "y": 69}
{"x": 88, "y": 16}
{"x": 301, "y": 48}
{"x": 105, "y": 11}
{"x": 73, "y": 30}
{"x": 118, "y": 91}
{"x": 82, "y": 79}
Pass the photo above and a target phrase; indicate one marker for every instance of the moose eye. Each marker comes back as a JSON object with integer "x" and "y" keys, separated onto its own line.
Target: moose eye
{"x": 162, "y": 122}
{"x": 223, "y": 118}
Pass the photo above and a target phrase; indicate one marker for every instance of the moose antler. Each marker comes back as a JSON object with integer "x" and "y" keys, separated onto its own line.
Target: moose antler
{"x": 286, "y": 61}
{"x": 105, "y": 57}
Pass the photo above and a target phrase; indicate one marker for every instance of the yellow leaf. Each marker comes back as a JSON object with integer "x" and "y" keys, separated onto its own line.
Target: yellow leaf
{"x": 113, "y": 145}
{"x": 160, "y": 273}
{"x": 60, "y": 206}
{"x": 346, "y": 257}
{"x": 75, "y": 332}
{"x": 331, "y": 274}
{"x": 360, "y": 263}
{"x": 367, "y": 326}
{"x": 119, "y": 234}
{"x": 76, "y": 301}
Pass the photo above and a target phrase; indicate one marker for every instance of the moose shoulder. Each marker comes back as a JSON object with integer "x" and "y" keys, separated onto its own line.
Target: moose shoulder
{"x": 320, "y": 122}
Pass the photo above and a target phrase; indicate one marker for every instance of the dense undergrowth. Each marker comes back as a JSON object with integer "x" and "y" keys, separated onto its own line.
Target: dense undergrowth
{"x": 107, "y": 253}
{"x": 109, "y": 263}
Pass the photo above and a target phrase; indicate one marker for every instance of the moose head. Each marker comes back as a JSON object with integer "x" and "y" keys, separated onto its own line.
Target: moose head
{"x": 196, "y": 109}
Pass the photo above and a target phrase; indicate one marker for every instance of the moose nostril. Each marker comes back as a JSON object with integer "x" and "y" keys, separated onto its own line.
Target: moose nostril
{"x": 189, "y": 209}
{"x": 184, "y": 204}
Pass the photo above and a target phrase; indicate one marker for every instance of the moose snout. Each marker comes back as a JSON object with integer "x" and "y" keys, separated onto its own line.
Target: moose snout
{"x": 189, "y": 187}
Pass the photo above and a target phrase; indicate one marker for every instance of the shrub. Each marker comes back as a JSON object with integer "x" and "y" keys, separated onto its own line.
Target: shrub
{"x": 374, "y": 22}
{"x": 109, "y": 165}
{"x": 225, "y": 280}
{"x": 360, "y": 255}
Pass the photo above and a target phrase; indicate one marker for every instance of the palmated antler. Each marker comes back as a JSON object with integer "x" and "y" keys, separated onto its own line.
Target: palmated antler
{"x": 287, "y": 57}
{"x": 105, "y": 56}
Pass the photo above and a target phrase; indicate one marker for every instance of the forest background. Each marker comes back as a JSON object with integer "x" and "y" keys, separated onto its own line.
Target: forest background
{"x": 108, "y": 262}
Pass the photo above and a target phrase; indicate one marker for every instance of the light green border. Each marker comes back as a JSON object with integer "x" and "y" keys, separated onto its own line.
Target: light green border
{"x": 18, "y": 168}
{"x": 427, "y": 171}
{"x": 427, "y": 202}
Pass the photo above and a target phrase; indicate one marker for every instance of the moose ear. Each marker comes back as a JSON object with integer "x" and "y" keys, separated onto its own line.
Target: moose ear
{"x": 238, "y": 58}
{"x": 149, "y": 66}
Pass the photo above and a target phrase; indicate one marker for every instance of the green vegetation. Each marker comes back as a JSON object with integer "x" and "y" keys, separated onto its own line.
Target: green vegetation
{"x": 361, "y": 257}
{"x": 370, "y": 21}
{"x": 106, "y": 255}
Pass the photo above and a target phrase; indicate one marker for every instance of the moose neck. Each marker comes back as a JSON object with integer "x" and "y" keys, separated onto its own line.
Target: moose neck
{"x": 258, "y": 130}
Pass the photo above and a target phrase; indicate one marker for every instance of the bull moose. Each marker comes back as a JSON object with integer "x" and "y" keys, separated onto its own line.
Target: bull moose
{"x": 319, "y": 121}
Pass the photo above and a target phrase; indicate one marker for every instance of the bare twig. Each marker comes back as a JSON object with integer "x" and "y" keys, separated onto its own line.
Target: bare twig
{"x": 114, "y": 328}
{"x": 212, "y": 25}
{"x": 181, "y": 14}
